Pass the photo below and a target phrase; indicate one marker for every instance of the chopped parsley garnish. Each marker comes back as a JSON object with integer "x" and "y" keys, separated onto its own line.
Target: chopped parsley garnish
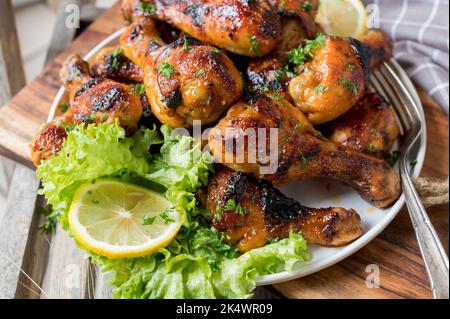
{"x": 413, "y": 163}
{"x": 64, "y": 107}
{"x": 200, "y": 72}
{"x": 279, "y": 74}
{"x": 149, "y": 220}
{"x": 186, "y": 45}
{"x": 351, "y": 67}
{"x": 165, "y": 69}
{"x": 307, "y": 6}
{"x": 272, "y": 240}
{"x": 300, "y": 55}
{"x": 298, "y": 125}
{"x": 255, "y": 45}
{"x": 278, "y": 97}
{"x": 393, "y": 158}
{"x": 148, "y": 8}
{"x": 90, "y": 117}
{"x": 139, "y": 89}
{"x": 351, "y": 86}
{"x": 371, "y": 148}
{"x": 202, "y": 212}
{"x": 231, "y": 206}
{"x": 218, "y": 215}
{"x": 303, "y": 161}
{"x": 216, "y": 51}
{"x": 209, "y": 244}
{"x": 320, "y": 88}
{"x": 281, "y": 5}
{"x": 49, "y": 226}
{"x": 115, "y": 56}
{"x": 165, "y": 217}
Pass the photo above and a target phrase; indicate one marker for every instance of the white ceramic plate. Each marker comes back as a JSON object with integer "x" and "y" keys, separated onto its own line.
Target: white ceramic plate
{"x": 319, "y": 193}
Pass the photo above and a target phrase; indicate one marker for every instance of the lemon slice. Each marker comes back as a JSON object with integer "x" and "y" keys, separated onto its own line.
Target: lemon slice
{"x": 120, "y": 220}
{"x": 346, "y": 18}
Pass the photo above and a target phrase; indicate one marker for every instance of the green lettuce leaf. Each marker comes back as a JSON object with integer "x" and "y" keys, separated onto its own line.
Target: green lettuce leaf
{"x": 189, "y": 275}
{"x": 197, "y": 263}
{"x": 238, "y": 276}
{"x": 89, "y": 153}
{"x": 180, "y": 164}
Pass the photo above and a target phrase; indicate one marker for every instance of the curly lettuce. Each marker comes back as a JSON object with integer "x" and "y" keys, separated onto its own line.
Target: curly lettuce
{"x": 166, "y": 275}
{"x": 197, "y": 263}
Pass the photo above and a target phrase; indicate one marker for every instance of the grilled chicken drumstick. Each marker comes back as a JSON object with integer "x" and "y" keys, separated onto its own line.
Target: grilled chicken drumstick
{"x": 98, "y": 100}
{"x": 251, "y": 212}
{"x": 47, "y": 142}
{"x": 112, "y": 64}
{"x": 186, "y": 80}
{"x": 249, "y": 28}
{"x": 299, "y": 151}
{"x": 370, "y": 127}
{"x": 337, "y": 76}
{"x": 267, "y": 73}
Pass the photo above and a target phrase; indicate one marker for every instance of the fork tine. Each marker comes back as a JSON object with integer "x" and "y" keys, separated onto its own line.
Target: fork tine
{"x": 433, "y": 252}
{"x": 380, "y": 90}
{"x": 411, "y": 106}
{"x": 393, "y": 98}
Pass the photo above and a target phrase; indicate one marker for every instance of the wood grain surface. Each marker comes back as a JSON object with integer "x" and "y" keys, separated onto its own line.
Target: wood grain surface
{"x": 395, "y": 251}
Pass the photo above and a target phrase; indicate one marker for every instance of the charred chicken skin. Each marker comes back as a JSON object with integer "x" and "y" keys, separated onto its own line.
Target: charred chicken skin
{"x": 298, "y": 24}
{"x": 370, "y": 127}
{"x": 251, "y": 212}
{"x": 98, "y": 100}
{"x": 47, "y": 142}
{"x": 112, "y": 64}
{"x": 266, "y": 73}
{"x": 298, "y": 150}
{"x": 303, "y": 10}
{"x": 186, "y": 80}
{"x": 380, "y": 47}
{"x": 250, "y": 28}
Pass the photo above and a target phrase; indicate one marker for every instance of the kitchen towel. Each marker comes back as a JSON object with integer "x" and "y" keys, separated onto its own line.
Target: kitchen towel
{"x": 420, "y": 30}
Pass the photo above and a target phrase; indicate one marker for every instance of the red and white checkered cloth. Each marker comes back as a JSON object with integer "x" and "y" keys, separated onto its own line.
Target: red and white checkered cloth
{"x": 420, "y": 30}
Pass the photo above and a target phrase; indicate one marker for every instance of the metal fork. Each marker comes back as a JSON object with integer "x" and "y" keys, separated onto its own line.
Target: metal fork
{"x": 387, "y": 82}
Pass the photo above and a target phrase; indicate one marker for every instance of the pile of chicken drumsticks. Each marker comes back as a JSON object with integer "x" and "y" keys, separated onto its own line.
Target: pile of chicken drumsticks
{"x": 180, "y": 61}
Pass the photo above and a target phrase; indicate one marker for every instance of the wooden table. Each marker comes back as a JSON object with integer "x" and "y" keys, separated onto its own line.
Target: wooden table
{"x": 395, "y": 251}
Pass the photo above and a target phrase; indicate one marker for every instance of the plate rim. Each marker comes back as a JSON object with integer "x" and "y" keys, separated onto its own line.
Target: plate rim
{"x": 346, "y": 251}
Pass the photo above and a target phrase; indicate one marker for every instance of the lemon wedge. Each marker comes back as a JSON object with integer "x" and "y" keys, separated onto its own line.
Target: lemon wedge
{"x": 347, "y": 18}
{"x": 119, "y": 220}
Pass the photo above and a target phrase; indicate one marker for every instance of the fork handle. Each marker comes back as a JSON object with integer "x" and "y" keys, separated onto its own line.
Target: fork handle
{"x": 436, "y": 260}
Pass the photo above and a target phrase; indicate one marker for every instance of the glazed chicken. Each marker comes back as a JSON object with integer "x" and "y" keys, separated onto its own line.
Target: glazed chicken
{"x": 295, "y": 151}
{"x": 47, "y": 142}
{"x": 380, "y": 46}
{"x": 301, "y": 9}
{"x": 250, "y": 28}
{"x": 112, "y": 64}
{"x": 333, "y": 81}
{"x": 338, "y": 76}
{"x": 370, "y": 127}
{"x": 251, "y": 212}
{"x": 98, "y": 100}
{"x": 267, "y": 73}
{"x": 186, "y": 80}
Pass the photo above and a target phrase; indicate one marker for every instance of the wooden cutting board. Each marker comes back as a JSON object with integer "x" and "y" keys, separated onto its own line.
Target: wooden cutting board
{"x": 395, "y": 252}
